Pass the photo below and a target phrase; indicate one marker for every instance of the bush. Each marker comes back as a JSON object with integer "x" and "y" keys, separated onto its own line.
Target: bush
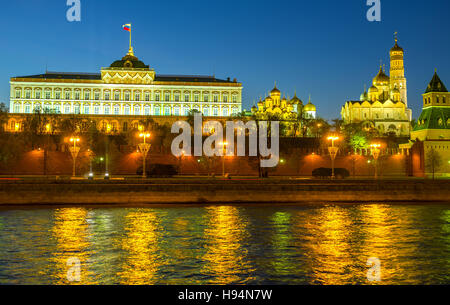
{"x": 340, "y": 173}
{"x": 159, "y": 170}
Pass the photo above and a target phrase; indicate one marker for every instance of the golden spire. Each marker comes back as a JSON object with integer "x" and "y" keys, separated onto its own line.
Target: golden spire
{"x": 395, "y": 37}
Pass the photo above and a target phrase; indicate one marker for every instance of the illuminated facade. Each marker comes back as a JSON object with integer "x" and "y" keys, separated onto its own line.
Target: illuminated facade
{"x": 432, "y": 131}
{"x": 127, "y": 88}
{"x": 286, "y": 109}
{"x": 385, "y": 105}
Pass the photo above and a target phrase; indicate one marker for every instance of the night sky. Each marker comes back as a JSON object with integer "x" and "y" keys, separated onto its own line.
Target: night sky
{"x": 324, "y": 48}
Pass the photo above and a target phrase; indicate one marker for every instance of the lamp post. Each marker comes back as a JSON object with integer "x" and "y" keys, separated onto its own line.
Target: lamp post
{"x": 333, "y": 153}
{"x": 91, "y": 155}
{"x": 224, "y": 146}
{"x": 144, "y": 148}
{"x": 74, "y": 151}
{"x": 375, "y": 149}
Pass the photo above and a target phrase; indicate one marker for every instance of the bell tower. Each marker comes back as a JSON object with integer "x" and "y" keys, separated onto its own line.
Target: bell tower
{"x": 397, "y": 72}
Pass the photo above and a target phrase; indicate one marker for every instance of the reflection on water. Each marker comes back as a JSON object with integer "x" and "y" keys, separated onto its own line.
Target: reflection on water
{"x": 70, "y": 233}
{"x": 140, "y": 242}
{"x": 226, "y": 245}
{"x": 226, "y": 258}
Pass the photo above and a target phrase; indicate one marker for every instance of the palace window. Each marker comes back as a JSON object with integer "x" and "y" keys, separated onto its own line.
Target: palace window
{"x": 38, "y": 94}
{"x": 443, "y": 100}
{"x": 437, "y": 99}
{"x": 216, "y": 98}
{"x": 216, "y": 112}
{"x": 127, "y": 96}
{"x": 177, "y": 97}
{"x": 196, "y": 98}
{"x": 137, "y": 110}
{"x": 106, "y": 109}
{"x": 28, "y": 94}
{"x": 117, "y": 96}
{"x": 47, "y": 95}
{"x": 167, "y": 97}
{"x": 16, "y": 108}
{"x": 116, "y": 109}
{"x": 186, "y": 111}
{"x": 186, "y": 98}
{"x": 176, "y": 111}
{"x": 67, "y": 95}
{"x": 18, "y": 93}
{"x": 77, "y": 95}
{"x": 126, "y": 110}
{"x": 147, "y": 96}
{"x": 76, "y": 109}
{"x": 167, "y": 110}
{"x": 96, "y": 95}
{"x": 27, "y": 108}
{"x": 206, "y": 112}
{"x": 57, "y": 95}
{"x": 146, "y": 110}
{"x": 107, "y": 96}
{"x": 96, "y": 109}
{"x": 86, "y": 109}
{"x": 225, "y": 112}
{"x": 137, "y": 97}
{"x": 156, "y": 110}
{"x": 225, "y": 98}
{"x": 235, "y": 111}
{"x": 206, "y": 98}
{"x": 234, "y": 98}
{"x": 157, "y": 97}
{"x": 87, "y": 95}
{"x": 67, "y": 109}
{"x": 57, "y": 109}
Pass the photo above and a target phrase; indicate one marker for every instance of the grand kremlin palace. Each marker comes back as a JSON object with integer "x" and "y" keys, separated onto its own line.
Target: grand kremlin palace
{"x": 123, "y": 92}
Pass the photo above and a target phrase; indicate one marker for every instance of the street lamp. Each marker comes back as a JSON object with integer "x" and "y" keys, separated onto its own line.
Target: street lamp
{"x": 224, "y": 145}
{"x": 91, "y": 155}
{"x": 74, "y": 151}
{"x": 375, "y": 149}
{"x": 144, "y": 148}
{"x": 333, "y": 153}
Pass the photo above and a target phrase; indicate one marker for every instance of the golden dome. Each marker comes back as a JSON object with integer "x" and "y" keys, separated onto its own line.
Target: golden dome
{"x": 373, "y": 89}
{"x": 309, "y": 107}
{"x": 275, "y": 91}
{"x": 381, "y": 78}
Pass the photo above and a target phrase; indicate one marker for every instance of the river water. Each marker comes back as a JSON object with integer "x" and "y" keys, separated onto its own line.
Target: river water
{"x": 226, "y": 244}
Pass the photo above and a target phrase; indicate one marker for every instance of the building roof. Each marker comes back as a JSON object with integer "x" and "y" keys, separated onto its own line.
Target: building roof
{"x": 433, "y": 118}
{"x": 436, "y": 85}
{"x": 97, "y": 76}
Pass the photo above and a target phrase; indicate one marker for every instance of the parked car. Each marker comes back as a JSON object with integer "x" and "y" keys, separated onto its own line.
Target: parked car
{"x": 340, "y": 173}
{"x": 159, "y": 170}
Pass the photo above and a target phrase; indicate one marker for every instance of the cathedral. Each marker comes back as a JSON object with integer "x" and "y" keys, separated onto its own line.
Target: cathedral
{"x": 286, "y": 109}
{"x": 385, "y": 105}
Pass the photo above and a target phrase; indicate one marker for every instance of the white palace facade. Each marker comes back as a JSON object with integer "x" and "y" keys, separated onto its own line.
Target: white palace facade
{"x": 127, "y": 88}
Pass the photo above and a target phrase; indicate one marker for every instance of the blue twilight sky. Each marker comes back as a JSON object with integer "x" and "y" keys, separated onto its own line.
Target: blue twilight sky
{"x": 324, "y": 48}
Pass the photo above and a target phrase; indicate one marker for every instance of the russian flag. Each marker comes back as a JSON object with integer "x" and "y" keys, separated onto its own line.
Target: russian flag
{"x": 127, "y": 27}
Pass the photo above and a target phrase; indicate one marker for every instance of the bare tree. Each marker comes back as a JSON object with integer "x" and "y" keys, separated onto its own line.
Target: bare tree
{"x": 433, "y": 161}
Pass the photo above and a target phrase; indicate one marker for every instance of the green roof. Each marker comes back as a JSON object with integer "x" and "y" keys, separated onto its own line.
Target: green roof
{"x": 434, "y": 118}
{"x": 436, "y": 85}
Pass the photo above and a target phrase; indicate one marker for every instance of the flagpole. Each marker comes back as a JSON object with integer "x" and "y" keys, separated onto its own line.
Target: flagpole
{"x": 130, "y": 36}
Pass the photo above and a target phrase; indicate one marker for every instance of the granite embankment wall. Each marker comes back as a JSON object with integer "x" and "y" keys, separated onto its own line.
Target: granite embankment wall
{"x": 221, "y": 192}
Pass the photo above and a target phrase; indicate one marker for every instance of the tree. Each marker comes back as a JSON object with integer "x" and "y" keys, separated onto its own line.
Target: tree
{"x": 358, "y": 141}
{"x": 433, "y": 161}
